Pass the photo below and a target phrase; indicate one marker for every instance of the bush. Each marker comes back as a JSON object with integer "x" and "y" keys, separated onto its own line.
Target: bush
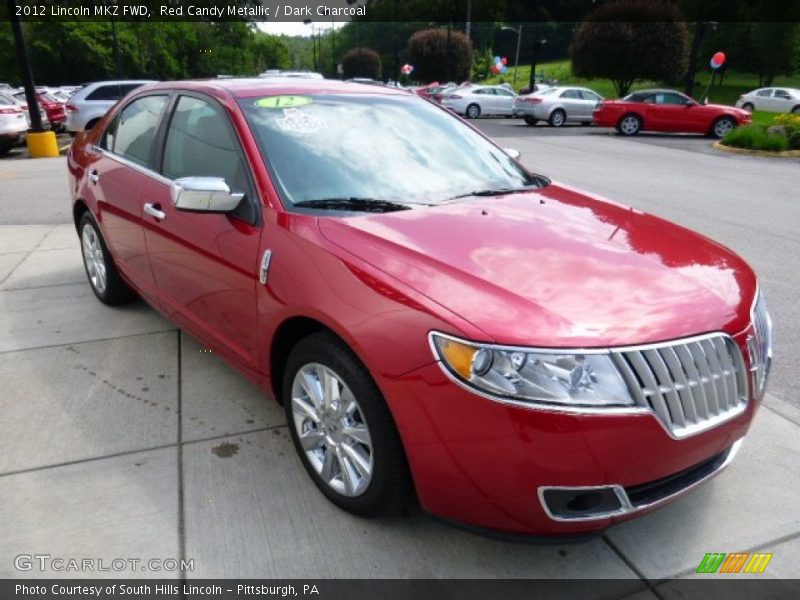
{"x": 755, "y": 137}
{"x": 790, "y": 123}
{"x": 361, "y": 62}
{"x": 428, "y": 52}
{"x": 630, "y": 40}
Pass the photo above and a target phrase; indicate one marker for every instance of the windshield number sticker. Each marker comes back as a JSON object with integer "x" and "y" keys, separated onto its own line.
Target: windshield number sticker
{"x": 283, "y": 101}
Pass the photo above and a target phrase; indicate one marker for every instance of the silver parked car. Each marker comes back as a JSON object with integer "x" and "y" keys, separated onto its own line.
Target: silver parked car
{"x": 88, "y": 105}
{"x": 558, "y": 105}
{"x": 13, "y": 124}
{"x": 772, "y": 99}
{"x": 477, "y": 100}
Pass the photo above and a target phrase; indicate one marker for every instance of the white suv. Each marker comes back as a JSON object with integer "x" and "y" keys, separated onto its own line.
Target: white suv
{"x": 88, "y": 105}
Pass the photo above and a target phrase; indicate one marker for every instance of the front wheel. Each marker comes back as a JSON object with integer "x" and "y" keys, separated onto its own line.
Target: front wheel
{"x": 342, "y": 429}
{"x": 103, "y": 276}
{"x": 796, "y": 110}
{"x": 630, "y": 125}
{"x": 723, "y": 126}
{"x": 473, "y": 111}
{"x": 748, "y": 106}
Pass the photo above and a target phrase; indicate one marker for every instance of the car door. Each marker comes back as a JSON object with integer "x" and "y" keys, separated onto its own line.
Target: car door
{"x": 589, "y": 103}
{"x": 205, "y": 264}
{"x": 572, "y": 101}
{"x": 763, "y": 99}
{"x": 485, "y": 98}
{"x": 504, "y": 101}
{"x": 123, "y": 172}
{"x": 782, "y": 100}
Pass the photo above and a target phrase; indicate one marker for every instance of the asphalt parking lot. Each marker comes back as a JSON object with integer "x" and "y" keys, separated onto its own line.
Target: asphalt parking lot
{"x": 122, "y": 438}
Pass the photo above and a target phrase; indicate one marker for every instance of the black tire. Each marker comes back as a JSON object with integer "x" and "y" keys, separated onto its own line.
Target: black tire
{"x": 748, "y": 106}
{"x": 473, "y": 111}
{"x": 115, "y": 291}
{"x": 722, "y": 126}
{"x": 586, "y": 123}
{"x": 557, "y": 118}
{"x": 531, "y": 121}
{"x": 5, "y": 148}
{"x": 389, "y": 489}
{"x": 796, "y": 110}
{"x": 629, "y": 124}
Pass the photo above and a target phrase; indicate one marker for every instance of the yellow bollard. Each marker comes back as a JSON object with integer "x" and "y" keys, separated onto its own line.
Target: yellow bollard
{"x": 42, "y": 145}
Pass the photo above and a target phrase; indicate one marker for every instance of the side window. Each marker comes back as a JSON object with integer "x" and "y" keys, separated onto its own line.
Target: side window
{"x": 201, "y": 143}
{"x": 481, "y": 91}
{"x": 107, "y": 141}
{"x": 570, "y": 94}
{"x": 782, "y": 94}
{"x": 127, "y": 88}
{"x": 136, "y": 128}
{"x": 590, "y": 95}
{"x": 764, "y": 93}
{"x": 502, "y": 92}
{"x": 105, "y": 92}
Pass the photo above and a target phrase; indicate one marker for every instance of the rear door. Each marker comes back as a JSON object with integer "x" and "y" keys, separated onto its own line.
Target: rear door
{"x": 783, "y": 100}
{"x": 589, "y": 101}
{"x": 123, "y": 173}
{"x": 572, "y": 101}
{"x": 205, "y": 264}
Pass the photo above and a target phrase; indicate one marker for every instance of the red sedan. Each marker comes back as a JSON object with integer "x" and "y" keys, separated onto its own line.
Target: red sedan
{"x": 434, "y": 318}
{"x": 667, "y": 111}
{"x": 53, "y": 108}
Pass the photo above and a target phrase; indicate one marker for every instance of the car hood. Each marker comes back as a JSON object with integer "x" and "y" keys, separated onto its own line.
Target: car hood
{"x": 556, "y": 267}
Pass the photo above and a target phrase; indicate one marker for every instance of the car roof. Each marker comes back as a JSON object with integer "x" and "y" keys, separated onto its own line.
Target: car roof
{"x": 656, "y": 91}
{"x": 273, "y": 86}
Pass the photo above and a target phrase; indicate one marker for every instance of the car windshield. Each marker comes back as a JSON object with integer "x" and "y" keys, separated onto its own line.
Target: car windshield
{"x": 391, "y": 148}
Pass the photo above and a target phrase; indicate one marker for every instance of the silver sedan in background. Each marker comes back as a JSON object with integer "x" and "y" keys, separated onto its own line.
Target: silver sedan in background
{"x": 557, "y": 105}
{"x": 477, "y": 100}
{"x": 771, "y": 99}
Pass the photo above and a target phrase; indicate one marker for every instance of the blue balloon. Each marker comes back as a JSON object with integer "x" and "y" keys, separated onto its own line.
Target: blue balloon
{"x": 497, "y": 60}
{"x": 504, "y": 69}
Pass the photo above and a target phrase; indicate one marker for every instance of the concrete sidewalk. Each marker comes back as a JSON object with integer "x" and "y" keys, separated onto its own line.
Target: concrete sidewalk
{"x": 121, "y": 438}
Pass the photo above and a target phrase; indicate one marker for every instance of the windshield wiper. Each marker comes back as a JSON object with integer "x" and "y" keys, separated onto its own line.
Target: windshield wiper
{"x": 494, "y": 192}
{"x": 353, "y": 203}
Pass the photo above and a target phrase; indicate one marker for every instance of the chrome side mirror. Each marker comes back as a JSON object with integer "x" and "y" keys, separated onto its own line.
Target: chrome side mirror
{"x": 513, "y": 153}
{"x": 204, "y": 194}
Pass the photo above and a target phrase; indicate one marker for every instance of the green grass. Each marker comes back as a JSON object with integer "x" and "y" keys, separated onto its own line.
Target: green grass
{"x": 734, "y": 85}
{"x": 764, "y": 118}
{"x": 755, "y": 137}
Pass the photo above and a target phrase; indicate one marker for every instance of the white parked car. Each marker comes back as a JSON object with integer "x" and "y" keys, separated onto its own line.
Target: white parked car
{"x": 477, "y": 100}
{"x": 88, "y": 105}
{"x": 772, "y": 99}
{"x": 13, "y": 124}
{"x": 558, "y": 105}
{"x": 11, "y": 98}
{"x": 291, "y": 74}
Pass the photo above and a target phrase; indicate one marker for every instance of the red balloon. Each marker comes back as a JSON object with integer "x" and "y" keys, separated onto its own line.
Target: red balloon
{"x": 504, "y": 60}
{"x": 718, "y": 59}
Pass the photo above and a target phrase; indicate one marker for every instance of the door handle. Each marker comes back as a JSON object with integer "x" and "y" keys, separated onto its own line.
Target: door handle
{"x": 94, "y": 176}
{"x": 154, "y": 210}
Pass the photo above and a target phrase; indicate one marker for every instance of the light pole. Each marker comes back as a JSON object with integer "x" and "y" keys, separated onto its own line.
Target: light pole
{"x": 537, "y": 47}
{"x": 516, "y": 58}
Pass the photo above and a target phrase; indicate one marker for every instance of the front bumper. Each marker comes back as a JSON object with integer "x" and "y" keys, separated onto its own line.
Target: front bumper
{"x": 487, "y": 464}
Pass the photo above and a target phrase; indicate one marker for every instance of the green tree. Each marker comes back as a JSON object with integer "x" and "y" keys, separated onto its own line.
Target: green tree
{"x": 439, "y": 54}
{"x": 361, "y": 62}
{"x": 630, "y": 40}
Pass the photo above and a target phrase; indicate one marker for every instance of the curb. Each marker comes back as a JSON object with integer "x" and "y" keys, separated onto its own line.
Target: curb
{"x": 748, "y": 152}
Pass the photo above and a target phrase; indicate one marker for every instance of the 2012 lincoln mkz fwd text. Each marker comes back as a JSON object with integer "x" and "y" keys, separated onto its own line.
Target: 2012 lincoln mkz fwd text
{"x": 440, "y": 324}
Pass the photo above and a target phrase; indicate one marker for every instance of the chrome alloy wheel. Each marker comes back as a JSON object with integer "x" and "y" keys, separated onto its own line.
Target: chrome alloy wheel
{"x": 557, "y": 118}
{"x": 94, "y": 259}
{"x": 722, "y": 127}
{"x": 629, "y": 125}
{"x": 332, "y": 429}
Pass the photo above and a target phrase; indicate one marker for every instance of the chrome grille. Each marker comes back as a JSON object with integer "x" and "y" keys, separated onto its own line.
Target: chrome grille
{"x": 691, "y": 385}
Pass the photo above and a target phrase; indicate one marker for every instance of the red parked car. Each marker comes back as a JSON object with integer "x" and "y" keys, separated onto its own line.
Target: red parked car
{"x": 53, "y": 108}
{"x": 667, "y": 111}
{"x": 434, "y": 318}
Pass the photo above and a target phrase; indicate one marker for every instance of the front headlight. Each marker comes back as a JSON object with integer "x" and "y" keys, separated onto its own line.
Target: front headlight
{"x": 587, "y": 379}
